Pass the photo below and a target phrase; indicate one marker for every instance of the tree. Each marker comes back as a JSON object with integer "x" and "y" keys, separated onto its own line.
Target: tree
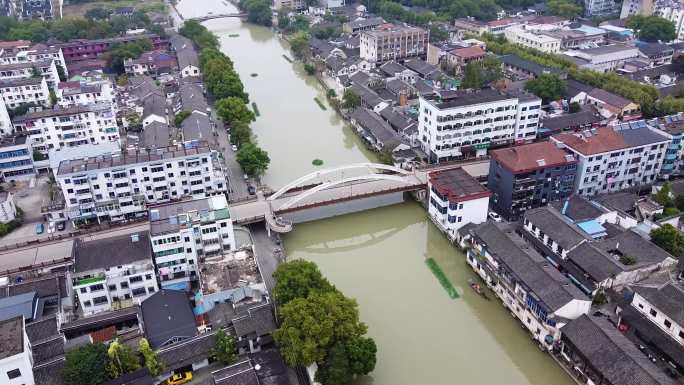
{"x": 224, "y": 349}
{"x": 310, "y": 326}
{"x": 669, "y": 238}
{"x": 361, "y": 352}
{"x": 663, "y": 195}
{"x": 258, "y": 11}
{"x": 61, "y": 73}
{"x": 679, "y": 202}
{"x": 350, "y": 99}
{"x": 438, "y": 34}
{"x": 472, "y": 77}
{"x": 549, "y": 87}
{"x": 98, "y": 13}
{"x": 564, "y": 8}
{"x": 336, "y": 369}
{"x": 233, "y": 109}
{"x": 652, "y": 28}
{"x": 52, "y": 97}
{"x": 122, "y": 359}
{"x": 299, "y": 42}
{"x": 133, "y": 120}
{"x": 180, "y": 117}
{"x": 252, "y": 159}
{"x": 240, "y": 134}
{"x": 152, "y": 362}
{"x": 298, "y": 279}
{"x": 86, "y": 365}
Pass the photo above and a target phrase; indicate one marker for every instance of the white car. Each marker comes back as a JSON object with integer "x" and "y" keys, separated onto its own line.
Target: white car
{"x": 494, "y": 216}
{"x": 51, "y": 228}
{"x": 234, "y": 147}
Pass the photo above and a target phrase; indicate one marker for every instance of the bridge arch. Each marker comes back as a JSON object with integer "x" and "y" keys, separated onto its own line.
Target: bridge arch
{"x": 326, "y": 185}
{"x": 316, "y": 174}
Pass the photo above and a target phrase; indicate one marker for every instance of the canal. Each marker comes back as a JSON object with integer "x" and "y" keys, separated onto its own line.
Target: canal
{"x": 377, "y": 257}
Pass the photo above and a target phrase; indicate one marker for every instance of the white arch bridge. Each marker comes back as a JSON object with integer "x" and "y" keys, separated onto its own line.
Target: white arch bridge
{"x": 327, "y": 187}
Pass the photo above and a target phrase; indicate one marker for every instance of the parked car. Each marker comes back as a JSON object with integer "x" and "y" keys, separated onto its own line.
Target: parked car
{"x": 51, "y": 227}
{"x": 251, "y": 190}
{"x": 179, "y": 378}
{"x": 40, "y": 228}
{"x": 494, "y": 216}
{"x": 61, "y": 226}
{"x": 234, "y": 147}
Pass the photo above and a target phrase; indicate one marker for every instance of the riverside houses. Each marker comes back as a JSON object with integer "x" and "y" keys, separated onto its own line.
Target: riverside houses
{"x": 114, "y": 272}
{"x": 537, "y": 294}
{"x": 121, "y": 185}
{"x": 467, "y": 123}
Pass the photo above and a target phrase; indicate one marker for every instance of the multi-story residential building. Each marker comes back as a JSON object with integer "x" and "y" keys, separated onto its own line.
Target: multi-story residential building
{"x": 25, "y": 53}
{"x": 535, "y": 292}
{"x": 456, "y": 199}
{"x": 6, "y": 127}
{"x": 16, "y": 358}
{"x": 636, "y": 7}
{"x": 521, "y": 35}
{"x": 360, "y": 25}
{"x": 8, "y": 210}
{"x": 607, "y": 58}
{"x": 466, "y": 123}
{"x": 68, "y": 127}
{"x": 600, "y": 7}
{"x": 460, "y": 57}
{"x": 121, "y": 185}
{"x": 45, "y": 68}
{"x": 16, "y": 158}
{"x": 86, "y": 92}
{"x": 188, "y": 61}
{"x": 183, "y": 232}
{"x": 151, "y": 63}
{"x": 82, "y": 49}
{"x": 528, "y": 176}
{"x": 672, "y": 127}
{"x": 613, "y": 106}
{"x": 393, "y": 42}
{"x": 294, "y": 5}
{"x": 614, "y": 159}
{"x": 17, "y": 92}
{"x": 114, "y": 272}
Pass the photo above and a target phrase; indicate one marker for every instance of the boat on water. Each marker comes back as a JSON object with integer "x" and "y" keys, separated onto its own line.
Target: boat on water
{"x": 478, "y": 289}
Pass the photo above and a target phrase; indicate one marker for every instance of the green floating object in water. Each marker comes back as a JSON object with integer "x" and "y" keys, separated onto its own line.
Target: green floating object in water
{"x": 317, "y": 162}
{"x": 255, "y": 108}
{"x": 443, "y": 280}
{"x": 234, "y": 35}
{"x": 254, "y": 75}
{"x": 287, "y": 58}
{"x": 320, "y": 104}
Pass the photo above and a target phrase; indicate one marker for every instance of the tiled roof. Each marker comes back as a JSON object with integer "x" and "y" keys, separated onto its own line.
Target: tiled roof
{"x": 115, "y": 251}
{"x": 609, "y": 98}
{"x": 458, "y": 185}
{"x": 668, "y": 299}
{"x": 601, "y": 140}
{"x": 556, "y": 226}
{"x": 469, "y": 52}
{"x": 532, "y": 156}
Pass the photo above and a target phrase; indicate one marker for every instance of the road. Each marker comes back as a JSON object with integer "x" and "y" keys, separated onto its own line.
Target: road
{"x": 238, "y": 185}
{"x": 268, "y": 253}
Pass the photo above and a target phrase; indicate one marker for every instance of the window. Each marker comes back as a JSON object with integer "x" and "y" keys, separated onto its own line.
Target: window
{"x": 667, "y": 323}
{"x": 681, "y": 334}
{"x": 87, "y": 304}
{"x": 150, "y": 289}
{"x": 124, "y": 285}
{"x": 148, "y": 276}
{"x": 83, "y": 290}
{"x": 99, "y": 300}
{"x": 111, "y": 287}
{"x": 97, "y": 287}
{"x": 14, "y": 373}
{"x": 653, "y": 313}
{"x": 136, "y": 279}
{"x": 139, "y": 291}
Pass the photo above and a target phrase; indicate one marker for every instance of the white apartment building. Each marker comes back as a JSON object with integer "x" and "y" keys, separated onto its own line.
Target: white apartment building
{"x": 674, "y": 12}
{"x": 32, "y": 54}
{"x": 6, "y": 127}
{"x": 456, "y": 199}
{"x": 46, "y": 68}
{"x": 83, "y": 93}
{"x": 636, "y": 7}
{"x": 16, "y": 158}
{"x": 183, "y": 232}
{"x": 8, "y": 210}
{"x": 291, "y": 4}
{"x": 16, "y": 358}
{"x": 606, "y": 58}
{"x": 525, "y": 37}
{"x": 118, "y": 186}
{"x": 469, "y": 122}
{"x": 16, "y": 92}
{"x": 69, "y": 127}
{"x": 393, "y": 43}
{"x": 610, "y": 159}
{"x": 600, "y": 7}
{"x": 113, "y": 273}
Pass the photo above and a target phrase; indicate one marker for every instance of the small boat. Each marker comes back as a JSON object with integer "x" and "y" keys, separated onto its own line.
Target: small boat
{"x": 478, "y": 289}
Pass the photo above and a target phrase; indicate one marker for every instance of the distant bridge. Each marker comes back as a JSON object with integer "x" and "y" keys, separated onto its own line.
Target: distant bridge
{"x": 216, "y": 16}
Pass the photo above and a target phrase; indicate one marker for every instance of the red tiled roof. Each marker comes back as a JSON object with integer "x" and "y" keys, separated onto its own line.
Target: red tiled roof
{"x": 528, "y": 157}
{"x": 497, "y": 23}
{"x": 104, "y": 335}
{"x": 70, "y": 84}
{"x": 14, "y": 44}
{"x": 603, "y": 139}
{"x": 468, "y": 52}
